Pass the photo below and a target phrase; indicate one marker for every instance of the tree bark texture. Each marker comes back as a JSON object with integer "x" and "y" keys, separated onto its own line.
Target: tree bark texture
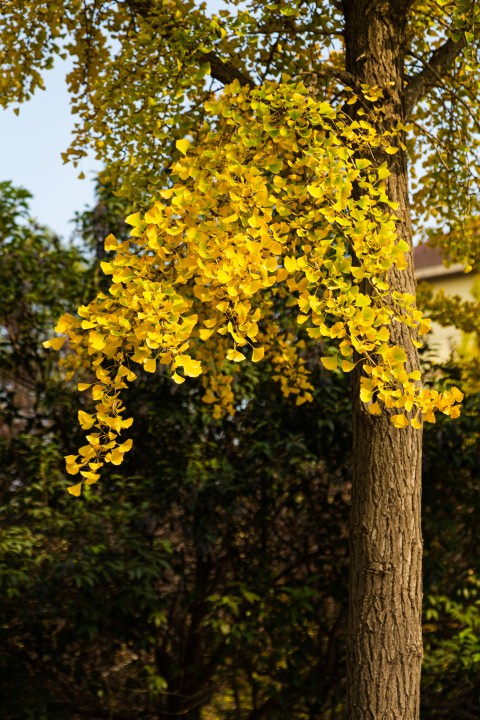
{"x": 385, "y": 640}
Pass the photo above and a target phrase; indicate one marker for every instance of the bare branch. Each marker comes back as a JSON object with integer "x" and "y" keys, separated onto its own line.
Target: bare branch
{"x": 263, "y": 30}
{"x": 343, "y": 76}
{"x": 226, "y": 72}
{"x": 434, "y": 69}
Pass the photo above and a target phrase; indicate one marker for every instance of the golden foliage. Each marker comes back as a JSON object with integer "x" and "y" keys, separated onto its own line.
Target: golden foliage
{"x": 262, "y": 207}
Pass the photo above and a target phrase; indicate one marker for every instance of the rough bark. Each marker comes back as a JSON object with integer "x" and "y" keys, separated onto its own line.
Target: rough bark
{"x": 385, "y": 640}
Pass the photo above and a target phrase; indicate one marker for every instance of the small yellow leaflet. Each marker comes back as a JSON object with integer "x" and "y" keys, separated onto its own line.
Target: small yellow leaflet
{"x": 182, "y": 145}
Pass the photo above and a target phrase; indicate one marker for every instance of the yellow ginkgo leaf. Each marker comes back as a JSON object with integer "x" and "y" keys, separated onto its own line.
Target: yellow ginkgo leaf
{"x": 258, "y": 354}
{"x": 383, "y": 334}
{"x": 150, "y": 365}
{"x": 72, "y": 468}
{"x": 458, "y": 396}
{"x": 235, "y": 356}
{"x": 54, "y": 343}
{"x": 107, "y": 268}
{"x": 126, "y": 423}
{"x": 75, "y": 489}
{"x": 70, "y": 458}
{"x": 230, "y": 219}
{"x": 85, "y": 420}
{"x": 126, "y": 446}
{"x": 66, "y": 322}
{"x": 84, "y": 386}
{"x": 205, "y": 334}
{"x": 416, "y": 424}
{"x": 97, "y": 341}
{"x": 347, "y": 366}
{"x": 111, "y": 242}
{"x": 182, "y": 145}
{"x": 178, "y": 378}
{"x": 223, "y": 276}
{"x": 315, "y": 191}
{"x": 330, "y": 362}
{"x": 290, "y": 264}
{"x": 400, "y": 421}
{"x": 90, "y": 477}
{"x": 192, "y": 368}
{"x": 116, "y": 456}
{"x": 375, "y": 409}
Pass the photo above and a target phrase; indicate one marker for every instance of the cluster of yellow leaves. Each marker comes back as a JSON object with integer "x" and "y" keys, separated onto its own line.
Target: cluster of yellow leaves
{"x": 263, "y": 207}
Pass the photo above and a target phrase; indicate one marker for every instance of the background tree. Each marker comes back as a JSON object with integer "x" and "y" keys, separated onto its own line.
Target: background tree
{"x": 128, "y": 102}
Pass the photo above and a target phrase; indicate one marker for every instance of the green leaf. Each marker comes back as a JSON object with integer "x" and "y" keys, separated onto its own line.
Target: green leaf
{"x": 362, "y": 300}
{"x": 362, "y": 164}
{"x": 398, "y": 354}
{"x": 383, "y": 171}
{"x": 276, "y": 167}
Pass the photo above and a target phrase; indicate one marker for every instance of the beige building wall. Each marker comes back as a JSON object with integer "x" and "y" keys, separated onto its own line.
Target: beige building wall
{"x": 443, "y": 340}
{"x": 429, "y": 267}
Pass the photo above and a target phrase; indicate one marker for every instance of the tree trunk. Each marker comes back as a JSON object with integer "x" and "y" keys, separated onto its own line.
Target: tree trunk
{"x": 385, "y": 639}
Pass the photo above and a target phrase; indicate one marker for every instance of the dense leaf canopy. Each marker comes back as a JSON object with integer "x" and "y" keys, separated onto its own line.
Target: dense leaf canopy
{"x": 281, "y": 193}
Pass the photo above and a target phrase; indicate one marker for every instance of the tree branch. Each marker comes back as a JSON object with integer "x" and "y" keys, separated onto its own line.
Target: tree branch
{"x": 342, "y": 76}
{"x": 226, "y": 72}
{"x": 436, "y": 67}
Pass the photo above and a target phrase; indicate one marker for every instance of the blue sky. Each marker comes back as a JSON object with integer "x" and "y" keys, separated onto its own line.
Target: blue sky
{"x": 31, "y": 149}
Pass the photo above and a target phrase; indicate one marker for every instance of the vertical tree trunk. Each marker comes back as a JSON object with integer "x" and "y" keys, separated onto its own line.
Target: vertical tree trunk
{"x": 385, "y": 642}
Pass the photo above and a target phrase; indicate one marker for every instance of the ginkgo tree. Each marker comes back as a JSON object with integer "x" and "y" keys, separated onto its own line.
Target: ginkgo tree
{"x": 267, "y": 149}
